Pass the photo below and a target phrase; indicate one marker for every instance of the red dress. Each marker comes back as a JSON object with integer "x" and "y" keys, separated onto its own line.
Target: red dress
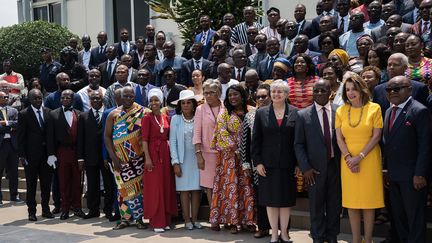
{"x": 159, "y": 196}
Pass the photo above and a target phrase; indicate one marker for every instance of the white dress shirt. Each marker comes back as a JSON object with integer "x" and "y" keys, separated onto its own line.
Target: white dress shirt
{"x": 36, "y": 112}
{"x": 320, "y": 111}
{"x": 86, "y": 58}
{"x": 346, "y": 22}
{"x": 69, "y": 117}
{"x": 200, "y": 61}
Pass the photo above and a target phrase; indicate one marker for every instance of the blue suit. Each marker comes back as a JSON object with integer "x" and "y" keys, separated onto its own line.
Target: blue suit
{"x": 53, "y": 101}
{"x": 139, "y": 94}
{"x": 208, "y": 45}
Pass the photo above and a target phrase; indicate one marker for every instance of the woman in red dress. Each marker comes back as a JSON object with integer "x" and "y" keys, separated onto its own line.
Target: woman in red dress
{"x": 158, "y": 178}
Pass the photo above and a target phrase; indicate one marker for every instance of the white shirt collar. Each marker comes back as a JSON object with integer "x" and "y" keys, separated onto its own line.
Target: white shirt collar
{"x": 64, "y": 108}
{"x": 200, "y": 60}
{"x": 332, "y": 12}
{"x": 36, "y": 110}
{"x": 319, "y": 107}
{"x": 101, "y": 110}
{"x": 301, "y": 22}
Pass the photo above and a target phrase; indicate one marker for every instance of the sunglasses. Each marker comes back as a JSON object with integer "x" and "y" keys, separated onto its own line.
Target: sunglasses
{"x": 322, "y": 91}
{"x": 261, "y": 97}
{"x": 395, "y": 89}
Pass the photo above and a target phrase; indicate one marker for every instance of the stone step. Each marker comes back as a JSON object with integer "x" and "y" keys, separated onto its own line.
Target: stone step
{"x": 21, "y": 172}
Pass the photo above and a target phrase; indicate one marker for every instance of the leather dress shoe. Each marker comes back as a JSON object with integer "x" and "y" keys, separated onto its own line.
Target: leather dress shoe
{"x": 92, "y": 214}
{"x": 79, "y": 213}
{"x": 332, "y": 241}
{"x": 261, "y": 234}
{"x": 64, "y": 215}
{"x": 56, "y": 210}
{"x": 48, "y": 215}
{"x": 32, "y": 217}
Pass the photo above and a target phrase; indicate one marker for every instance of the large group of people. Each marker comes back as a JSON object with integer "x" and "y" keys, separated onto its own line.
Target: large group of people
{"x": 338, "y": 108}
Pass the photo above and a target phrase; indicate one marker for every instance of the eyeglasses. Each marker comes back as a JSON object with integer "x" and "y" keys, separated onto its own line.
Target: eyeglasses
{"x": 395, "y": 89}
{"x": 322, "y": 91}
{"x": 261, "y": 97}
{"x": 208, "y": 93}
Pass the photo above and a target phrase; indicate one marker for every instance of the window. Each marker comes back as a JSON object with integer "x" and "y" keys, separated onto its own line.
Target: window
{"x": 55, "y": 13}
{"x": 40, "y": 13}
{"x": 50, "y": 12}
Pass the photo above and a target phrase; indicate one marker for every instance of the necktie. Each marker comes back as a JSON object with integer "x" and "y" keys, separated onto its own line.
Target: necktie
{"x": 40, "y": 119}
{"x": 342, "y": 25}
{"x": 204, "y": 38}
{"x": 392, "y": 117}
{"x": 288, "y": 47}
{"x": 327, "y": 137}
{"x": 253, "y": 49}
{"x": 425, "y": 28}
{"x": 270, "y": 64}
{"x": 197, "y": 66}
{"x": 125, "y": 50}
{"x": 97, "y": 116}
{"x": 100, "y": 50}
{"x": 3, "y": 111}
{"x": 239, "y": 74}
{"x": 67, "y": 109}
{"x": 418, "y": 16}
{"x": 144, "y": 97}
{"x": 110, "y": 69}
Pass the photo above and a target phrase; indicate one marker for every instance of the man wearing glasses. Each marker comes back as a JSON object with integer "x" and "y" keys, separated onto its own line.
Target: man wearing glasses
{"x": 406, "y": 150}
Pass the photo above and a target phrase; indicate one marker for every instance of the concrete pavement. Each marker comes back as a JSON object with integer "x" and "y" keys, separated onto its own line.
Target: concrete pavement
{"x": 15, "y": 228}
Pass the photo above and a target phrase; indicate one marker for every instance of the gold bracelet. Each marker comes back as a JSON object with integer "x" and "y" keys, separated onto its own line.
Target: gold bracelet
{"x": 362, "y": 156}
{"x": 345, "y": 156}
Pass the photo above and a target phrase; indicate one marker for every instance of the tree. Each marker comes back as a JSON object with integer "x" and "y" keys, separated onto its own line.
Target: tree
{"x": 186, "y": 13}
{"x": 22, "y": 44}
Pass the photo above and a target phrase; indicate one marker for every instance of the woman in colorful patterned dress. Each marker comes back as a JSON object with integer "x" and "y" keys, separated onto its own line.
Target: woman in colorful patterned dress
{"x": 419, "y": 66}
{"x": 233, "y": 198}
{"x": 158, "y": 179}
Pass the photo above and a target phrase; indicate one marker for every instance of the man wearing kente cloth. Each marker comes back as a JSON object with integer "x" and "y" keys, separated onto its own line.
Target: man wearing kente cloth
{"x": 122, "y": 138}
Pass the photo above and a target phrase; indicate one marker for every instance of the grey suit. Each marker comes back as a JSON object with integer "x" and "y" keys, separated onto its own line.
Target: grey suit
{"x": 380, "y": 32}
{"x": 311, "y": 152}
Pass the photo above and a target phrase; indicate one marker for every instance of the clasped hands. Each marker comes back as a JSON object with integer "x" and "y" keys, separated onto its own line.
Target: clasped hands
{"x": 353, "y": 163}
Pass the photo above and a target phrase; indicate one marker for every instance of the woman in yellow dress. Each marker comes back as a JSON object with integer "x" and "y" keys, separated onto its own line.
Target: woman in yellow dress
{"x": 358, "y": 126}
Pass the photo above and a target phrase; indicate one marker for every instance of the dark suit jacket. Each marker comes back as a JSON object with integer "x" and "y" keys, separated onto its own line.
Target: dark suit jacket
{"x": 32, "y": 137}
{"x": 420, "y": 92}
{"x": 309, "y": 144}
{"x": 12, "y": 118}
{"x": 306, "y": 28}
{"x": 265, "y": 71}
{"x": 187, "y": 69}
{"x": 106, "y": 79}
{"x": 120, "y": 49}
{"x": 135, "y": 59}
{"x": 58, "y": 130}
{"x": 315, "y": 24}
{"x": 380, "y": 32}
{"x": 313, "y": 44}
{"x": 134, "y": 75}
{"x": 96, "y": 58}
{"x": 273, "y": 145}
{"x": 208, "y": 45}
{"x": 242, "y": 75}
{"x": 408, "y": 17}
{"x": 429, "y": 102}
{"x": 407, "y": 146}
{"x": 89, "y": 143}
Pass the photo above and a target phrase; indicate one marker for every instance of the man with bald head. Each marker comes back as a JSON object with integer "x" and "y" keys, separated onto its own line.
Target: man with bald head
{"x": 98, "y": 52}
{"x": 85, "y": 54}
{"x": 53, "y": 99}
{"x": 304, "y": 26}
{"x": 121, "y": 74}
{"x": 273, "y": 16}
{"x": 32, "y": 153}
{"x": 171, "y": 60}
{"x": 394, "y": 20}
{"x": 348, "y": 40}
{"x": 265, "y": 67}
{"x": 224, "y": 77}
{"x": 325, "y": 24}
{"x": 318, "y": 156}
{"x": 205, "y": 37}
{"x": 251, "y": 84}
{"x": 94, "y": 77}
{"x": 328, "y": 10}
{"x": 239, "y": 68}
{"x": 239, "y": 35}
{"x": 407, "y": 156}
{"x": 374, "y": 12}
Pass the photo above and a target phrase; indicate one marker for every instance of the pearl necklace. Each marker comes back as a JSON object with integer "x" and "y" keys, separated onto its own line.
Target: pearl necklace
{"x": 161, "y": 126}
{"x": 186, "y": 120}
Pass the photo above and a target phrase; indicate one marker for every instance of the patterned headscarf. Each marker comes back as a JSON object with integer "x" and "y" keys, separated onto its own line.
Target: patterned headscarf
{"x": 365, "y": 37}
{"x": 342, "y": 54}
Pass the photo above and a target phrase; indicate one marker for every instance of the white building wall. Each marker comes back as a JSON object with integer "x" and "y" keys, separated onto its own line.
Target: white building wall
{"x": 86, "y": 17}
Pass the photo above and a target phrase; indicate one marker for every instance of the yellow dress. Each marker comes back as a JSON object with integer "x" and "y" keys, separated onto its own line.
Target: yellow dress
{"x": 363, "y": 190}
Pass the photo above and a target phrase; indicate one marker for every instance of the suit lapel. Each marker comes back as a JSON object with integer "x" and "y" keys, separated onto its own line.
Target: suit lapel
{"x": 316, "y": 122}
{"x": 33, "y": 117}
{"x": 63, "y": 120}
{"x": 386, "y": 123}
{"x": 401, "y": 118}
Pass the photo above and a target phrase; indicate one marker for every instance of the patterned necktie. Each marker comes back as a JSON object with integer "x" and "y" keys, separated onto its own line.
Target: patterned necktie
{"x": 97, "y": 116}
{"x": 239, "y": 74}
{"x": 418, "y": 16}
{"x": 204, "y": 38}
{"x": 288, "y": 48}
{"x": 270, "y": 64}
{"x": 125, "y": 50}
{"x": 197, "y": 66}
{"x": 40, "y": 119}
{"x": 342, "y": 25}
{"x": 110, "y": 69}
{"x": 327, "y": 137}
{"x": 425, "y": 27}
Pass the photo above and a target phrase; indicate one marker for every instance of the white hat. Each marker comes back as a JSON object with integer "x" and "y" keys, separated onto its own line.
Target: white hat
{"x": 155, "y": 92}
{"x": 187, "y": 95}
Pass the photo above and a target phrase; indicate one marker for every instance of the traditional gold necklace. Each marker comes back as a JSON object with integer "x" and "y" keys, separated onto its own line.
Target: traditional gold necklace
{"x": 349, "y": 117}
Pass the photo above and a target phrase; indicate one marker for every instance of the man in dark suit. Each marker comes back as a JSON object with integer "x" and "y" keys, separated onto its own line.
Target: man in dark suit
{"x": 249, "y": 47}
{"x": 413, "y": 15}
{"x": 325, "y": 24}
{"x": 304, "y": 26}
{"x": 8, "y": 146}
{"x": 396, "y": 65}
{"x": 32, "y": 153}
{"x": 205, "y": 37}
{"x": 89, "y": 157}
{"x": 327, "y": 11}
{"x": 108, "y": 67}
{"x": 126, "y": 60}
{"x": 197, "y": 62}
{"x": 319, "y": 157}
{"x": 124, "y": 46}
{"x": 406, "y": 139}
{"x": 85, "y": 54}
{"x": 301, "y": 44}
{"x": 61, "y": 149}
{"x": 98, "y": 53}
{"x": 393, "y": 21}
{"x": 239, "y": 68}
{"x": 143, "y": 87}
{"x": 265, "y": 67}
{"x": 171, "y": 60}
{"x": 342, "y": 20}
{"x": 53, "y": 100}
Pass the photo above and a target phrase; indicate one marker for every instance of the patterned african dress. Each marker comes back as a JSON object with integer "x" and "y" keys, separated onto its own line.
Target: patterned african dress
{"x": 421, "y": 72}
{"x": 127, "y": 147}
{"x": 301, "y": 96}
{"x": 233, "y": 196}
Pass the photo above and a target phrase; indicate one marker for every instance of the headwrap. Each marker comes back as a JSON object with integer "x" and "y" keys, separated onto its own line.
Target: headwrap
{"x": 342, "y": 54}
{"x": 365, "y": 37}
{"x": 155, "y": 92}
{"x": 282, "y": 63}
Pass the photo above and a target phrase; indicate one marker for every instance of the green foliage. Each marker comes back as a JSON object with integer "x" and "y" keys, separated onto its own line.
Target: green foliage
{"x": 186, "y": 13}
{"x": 22, "y": 44}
